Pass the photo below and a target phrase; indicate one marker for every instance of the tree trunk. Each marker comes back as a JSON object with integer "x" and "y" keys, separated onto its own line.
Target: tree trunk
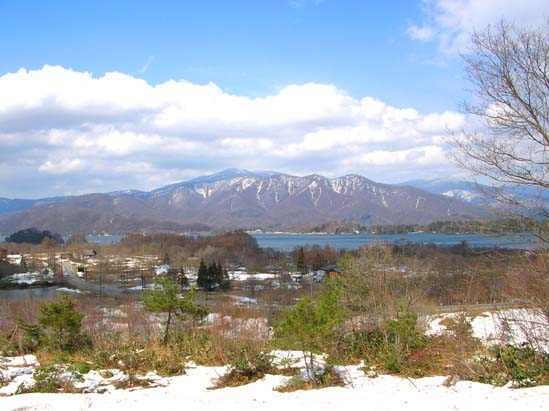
{"x": 166, "y": 332}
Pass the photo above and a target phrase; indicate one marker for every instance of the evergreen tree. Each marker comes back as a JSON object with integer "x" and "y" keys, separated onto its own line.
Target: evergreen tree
{"x": 218, "y": 273}
{"x": 210, "y": 277}
{"x": 202, "y": 278}
{"x": 164, "y": 298}
{"x": 300, "y": 264}
{"x": 61, "y": 322}
{"x": 183, "y": 280}
{"x": 311, "y": 326}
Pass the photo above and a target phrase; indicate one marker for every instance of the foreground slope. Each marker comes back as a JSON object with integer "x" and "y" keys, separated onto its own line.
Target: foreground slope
{"x": 361, "y": 392}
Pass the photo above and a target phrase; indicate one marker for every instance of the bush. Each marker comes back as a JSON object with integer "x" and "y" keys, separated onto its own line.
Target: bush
{"x": 310, "y": 326}
{"x": 245, "y": 368}
{"x": 135, "y": 359}
{"x": 396, "y": 348}
{"x": 60, "y": 326}
{"x": 51, "y": 379}
{"x": 166, "y": 298}
{"x": 324, "y": 377}
{"x": 522, "y": 366}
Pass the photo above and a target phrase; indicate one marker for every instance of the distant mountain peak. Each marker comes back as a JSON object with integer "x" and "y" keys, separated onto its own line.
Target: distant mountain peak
{"x": 243, "y": 198}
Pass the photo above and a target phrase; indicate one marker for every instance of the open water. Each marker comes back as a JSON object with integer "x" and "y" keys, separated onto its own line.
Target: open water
{"x": 287, "y": 241}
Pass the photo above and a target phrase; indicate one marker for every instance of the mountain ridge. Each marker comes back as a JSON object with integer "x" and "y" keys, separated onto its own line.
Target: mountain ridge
{"x": 242, "y": 199}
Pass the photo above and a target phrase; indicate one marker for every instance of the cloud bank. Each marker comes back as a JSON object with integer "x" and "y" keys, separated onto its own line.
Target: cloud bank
{"x": 451, "y": 22}
{"x": 69, "y": 132}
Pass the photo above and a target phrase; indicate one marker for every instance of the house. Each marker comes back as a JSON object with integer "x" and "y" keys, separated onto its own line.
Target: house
{"x": 296, "y": 277}
{"x": 17, "y": 259}
{"x": 330, "y": 271}
{"x": 89, "y": 254}
{"x": 166, "y": 269}
{"x": 3, "y": 254}
{"x": 162, "y": 269}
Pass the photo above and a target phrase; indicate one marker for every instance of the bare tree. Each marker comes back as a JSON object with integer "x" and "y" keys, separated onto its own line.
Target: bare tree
{"x": 508, "y": 68}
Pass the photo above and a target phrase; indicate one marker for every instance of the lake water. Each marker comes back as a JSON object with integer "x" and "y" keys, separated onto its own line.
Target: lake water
{"x": 104, "y": 239}
{"x": 284, "y": 242}
{"x": 353, "y": 241}
{"x": 39, "y": 294}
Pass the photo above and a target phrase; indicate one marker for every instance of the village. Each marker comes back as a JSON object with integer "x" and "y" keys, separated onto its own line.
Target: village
{"x": 87, "y": 271}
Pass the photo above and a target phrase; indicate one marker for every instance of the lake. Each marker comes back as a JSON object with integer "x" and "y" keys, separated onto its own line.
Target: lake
{"x": 287, "y": 241}
{"x": 39, "y": 294}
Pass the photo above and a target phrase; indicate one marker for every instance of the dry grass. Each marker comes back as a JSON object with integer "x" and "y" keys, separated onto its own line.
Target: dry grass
{"x": 328, "y": 378}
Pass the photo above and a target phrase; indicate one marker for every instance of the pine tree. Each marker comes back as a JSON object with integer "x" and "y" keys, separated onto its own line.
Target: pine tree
{"x": 202, "y": 278}
{"x": 61, "y": 322}
{"x": 210, "y": 277}
{"x": 164, "y": 298}
{"x": 218, "y": 274}
{"x": 300, "y": 264}
{"x": 183, "y": 280}
{"x": 311, "y": 325}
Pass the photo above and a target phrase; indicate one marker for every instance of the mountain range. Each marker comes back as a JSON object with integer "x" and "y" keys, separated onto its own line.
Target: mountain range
{"x": 238, "y": 199}
{"x": 458, "y": 189}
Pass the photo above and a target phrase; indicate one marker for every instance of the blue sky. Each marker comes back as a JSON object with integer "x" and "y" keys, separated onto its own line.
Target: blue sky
{"x": 106, "y": 95}
{"x": 247, "y": 47}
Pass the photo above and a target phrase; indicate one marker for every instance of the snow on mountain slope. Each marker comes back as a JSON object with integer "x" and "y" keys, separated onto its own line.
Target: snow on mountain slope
{"x": 267, "y": 201}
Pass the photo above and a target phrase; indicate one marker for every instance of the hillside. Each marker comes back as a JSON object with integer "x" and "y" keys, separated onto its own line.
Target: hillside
{"x": 245, "y": 200}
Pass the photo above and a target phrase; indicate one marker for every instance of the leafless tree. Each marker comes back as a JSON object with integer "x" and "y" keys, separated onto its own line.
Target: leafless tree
{"x": 508, "y": 68}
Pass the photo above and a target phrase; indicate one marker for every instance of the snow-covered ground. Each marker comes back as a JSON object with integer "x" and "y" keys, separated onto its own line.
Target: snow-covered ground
{"x": 514, "y": 326}
{"x": 362, "y": 391}
{"x": 31, "y": 277}
{"x": 245, "y": 276}
{"x": 382, "y": 393}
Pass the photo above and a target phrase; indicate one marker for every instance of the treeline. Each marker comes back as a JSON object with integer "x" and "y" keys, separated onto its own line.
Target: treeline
{"x": 34, "y": 236}
{"x": 212, "y": 276}
{"x": 232, "y": 248}
{"x": 313, "y": 257}
{"x": 501, "y": 226}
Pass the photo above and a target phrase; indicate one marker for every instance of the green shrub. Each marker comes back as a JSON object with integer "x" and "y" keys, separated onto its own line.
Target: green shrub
{"x": 324, "y": 377}
{"x": 311, "y": 325}
{"x": 395, "y": 348}
{"x": 59, "y": 326}
{"x": 523, "y": 366}
{"x": 51, "y": 380}
{"x": 166, "y": 298}
{"x": 245, "y": 368}
{"x": 136, "y": 359}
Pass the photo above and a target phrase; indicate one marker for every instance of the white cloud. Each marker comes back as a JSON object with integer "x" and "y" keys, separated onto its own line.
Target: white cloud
{"x": 424, "y": 33}
{"x": 71, "y": 131}
{"x": 427, "y": 156}
{"x": 451, "y": 22}
{"x": 60, "y": 167}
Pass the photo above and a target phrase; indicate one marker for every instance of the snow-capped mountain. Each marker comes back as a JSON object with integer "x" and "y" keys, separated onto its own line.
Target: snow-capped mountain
{"x": 458, "y": 189}
{"x": 267, "y": 200}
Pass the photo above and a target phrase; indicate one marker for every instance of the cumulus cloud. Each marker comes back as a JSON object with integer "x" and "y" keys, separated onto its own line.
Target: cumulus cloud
{"x": 64, "y": 131}
{"x": 451, "y": 22}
